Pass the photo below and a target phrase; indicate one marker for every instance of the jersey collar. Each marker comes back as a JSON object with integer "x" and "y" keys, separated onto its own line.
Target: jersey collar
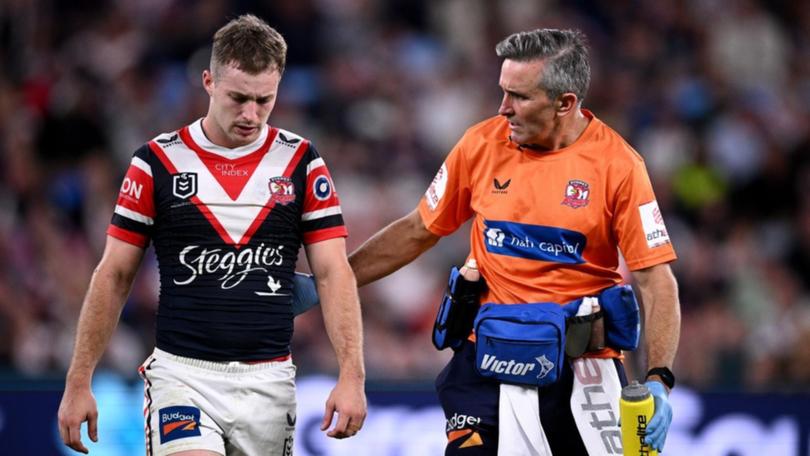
{"x": 198, "y": 136}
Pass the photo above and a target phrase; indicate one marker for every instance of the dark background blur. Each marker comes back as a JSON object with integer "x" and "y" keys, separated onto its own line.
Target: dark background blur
{"x": 714, "y": 94}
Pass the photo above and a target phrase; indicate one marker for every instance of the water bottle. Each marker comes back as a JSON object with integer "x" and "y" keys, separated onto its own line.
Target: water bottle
{"x": 636, "y": 408}
{"x": 470, "y": 271}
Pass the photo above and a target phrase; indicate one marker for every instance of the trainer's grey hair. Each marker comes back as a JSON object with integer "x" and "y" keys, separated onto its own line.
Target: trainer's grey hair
{"x": 565, "y": 53}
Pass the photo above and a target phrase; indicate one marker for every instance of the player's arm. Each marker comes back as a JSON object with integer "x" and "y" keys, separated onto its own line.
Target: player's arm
{"x": 106, "y": 295}
{"x": 340, "y": 305}
{"x": 391, "y": 248}
{"x": 662, "y": 313}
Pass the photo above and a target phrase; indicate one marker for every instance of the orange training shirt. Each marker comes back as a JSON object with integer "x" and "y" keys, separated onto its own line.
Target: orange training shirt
{"x": 548, "y": 225}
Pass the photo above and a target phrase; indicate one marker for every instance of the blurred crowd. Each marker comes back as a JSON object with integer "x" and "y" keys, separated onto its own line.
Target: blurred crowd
{"x": 714, "y": 94}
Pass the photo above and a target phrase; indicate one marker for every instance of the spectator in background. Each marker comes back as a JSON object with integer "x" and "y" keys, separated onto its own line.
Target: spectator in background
{"x": 371, "y": 84}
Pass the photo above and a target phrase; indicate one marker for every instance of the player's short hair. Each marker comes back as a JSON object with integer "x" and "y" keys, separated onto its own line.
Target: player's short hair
{"x": 250, "y": 44}
{"x": 565, "y": 53}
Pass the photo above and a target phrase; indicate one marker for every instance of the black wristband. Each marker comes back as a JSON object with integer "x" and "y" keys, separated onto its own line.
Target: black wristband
{"x": 667, "y": 377}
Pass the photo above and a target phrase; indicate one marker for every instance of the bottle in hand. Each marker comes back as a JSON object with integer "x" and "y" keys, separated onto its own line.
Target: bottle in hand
{"x": 636, "y": 408}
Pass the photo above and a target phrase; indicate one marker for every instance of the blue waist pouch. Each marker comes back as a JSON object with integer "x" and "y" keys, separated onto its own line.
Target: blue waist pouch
{"x": 454, "y": 320}
{"x": 622, "y": 318}
{"x": 520, "y": 343}
{"x": 524, "y": 343}
{"x": 621, "y": 314}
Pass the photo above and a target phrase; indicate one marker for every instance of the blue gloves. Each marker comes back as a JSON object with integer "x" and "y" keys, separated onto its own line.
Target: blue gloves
{"x": 659, "y": 425}
{"x": 305, "y": 293}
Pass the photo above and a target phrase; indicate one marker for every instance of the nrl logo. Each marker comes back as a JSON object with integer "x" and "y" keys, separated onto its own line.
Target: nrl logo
{"x": 184, "y": 185}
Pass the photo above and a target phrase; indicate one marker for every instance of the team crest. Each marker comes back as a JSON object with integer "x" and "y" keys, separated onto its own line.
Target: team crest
{"x": 282, "y": 190}
{"x": 576, "y": 194}
{"x": 184, "y": 185}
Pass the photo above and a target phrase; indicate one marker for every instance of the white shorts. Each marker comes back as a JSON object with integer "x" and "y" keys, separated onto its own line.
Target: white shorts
{"x": 231, "y": 408}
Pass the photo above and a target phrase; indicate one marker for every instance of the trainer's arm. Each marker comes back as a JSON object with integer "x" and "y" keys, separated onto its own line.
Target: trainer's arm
{"x": 662, "y": 313}
{"x": 106, "y": 295}
{"x": 340, "y": 305}
{"x": 391, "y": 248}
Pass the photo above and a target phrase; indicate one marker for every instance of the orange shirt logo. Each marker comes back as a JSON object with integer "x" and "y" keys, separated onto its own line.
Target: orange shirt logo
{"x": 576, "y": 194}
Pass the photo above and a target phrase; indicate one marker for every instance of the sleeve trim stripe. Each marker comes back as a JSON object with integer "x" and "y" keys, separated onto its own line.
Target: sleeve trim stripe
{"x": 325, "y": 234}
{"x": 321, "y": 213}
{"x": 127, "y": 236}
{"x": 142, "y": 165}
{"x": 314, "y": 164}
{"x": 132, "y": 215}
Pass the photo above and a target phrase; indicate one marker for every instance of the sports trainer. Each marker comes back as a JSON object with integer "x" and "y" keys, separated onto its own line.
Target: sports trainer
{"x": 227, "y": 202}
{"x": 555, "y": 195}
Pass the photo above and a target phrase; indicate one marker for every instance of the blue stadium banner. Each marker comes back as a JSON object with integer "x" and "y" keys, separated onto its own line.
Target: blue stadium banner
{"x": 405, "y": 423}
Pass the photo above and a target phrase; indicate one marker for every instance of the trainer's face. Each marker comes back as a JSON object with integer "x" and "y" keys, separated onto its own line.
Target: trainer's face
{"x": 240, "y": 104}
{"x": 525, "y": 105}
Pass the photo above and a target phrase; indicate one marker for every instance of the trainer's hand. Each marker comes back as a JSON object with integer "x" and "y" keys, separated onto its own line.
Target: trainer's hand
{"x": 305, "y": 293}
{"x": 659, "y": 424}
{"x": 349, "y": 401}
{"x": 78, "y": 405}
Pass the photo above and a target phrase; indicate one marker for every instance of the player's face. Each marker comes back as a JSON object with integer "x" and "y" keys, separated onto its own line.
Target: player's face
{"x": 525, "y": 105}
{"x": 240, "y": 104}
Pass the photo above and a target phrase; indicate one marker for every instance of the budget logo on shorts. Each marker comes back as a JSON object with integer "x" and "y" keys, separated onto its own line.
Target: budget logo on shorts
{"x": 576, "y": 194}
{"x": 178, "y": 422}
{"x": 464, "y": 426}
{"x": 282, "y": 190}
{"x": 184, "y": 185}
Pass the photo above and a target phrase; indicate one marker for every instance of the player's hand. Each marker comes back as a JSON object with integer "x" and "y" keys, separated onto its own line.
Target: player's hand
{"x": 305, "y": 293}
{"x": 659, "y": 424}
{"x": 78, "y": 405}
{"x": 348, "y": 399}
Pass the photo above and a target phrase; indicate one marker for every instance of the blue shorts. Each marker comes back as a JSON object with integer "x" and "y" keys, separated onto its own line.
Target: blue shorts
{"x": 470, "y": 404}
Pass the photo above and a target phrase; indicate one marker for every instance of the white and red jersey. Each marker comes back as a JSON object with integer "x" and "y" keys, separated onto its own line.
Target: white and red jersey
{"x": 227, "y": 226}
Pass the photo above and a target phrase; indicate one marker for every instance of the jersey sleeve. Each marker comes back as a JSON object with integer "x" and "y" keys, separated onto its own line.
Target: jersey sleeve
{"x": 322, "y": 217}
{"x": 638, "y": 224}
{"x": 446, "y": 203}
{"x": 134, "y": 215}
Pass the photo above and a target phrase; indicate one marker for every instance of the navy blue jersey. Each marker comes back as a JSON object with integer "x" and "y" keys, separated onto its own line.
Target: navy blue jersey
{"x": 227, "y": 226}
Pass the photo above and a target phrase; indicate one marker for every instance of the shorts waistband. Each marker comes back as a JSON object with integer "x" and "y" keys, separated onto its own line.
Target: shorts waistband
{"x": 233, "y": 367}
